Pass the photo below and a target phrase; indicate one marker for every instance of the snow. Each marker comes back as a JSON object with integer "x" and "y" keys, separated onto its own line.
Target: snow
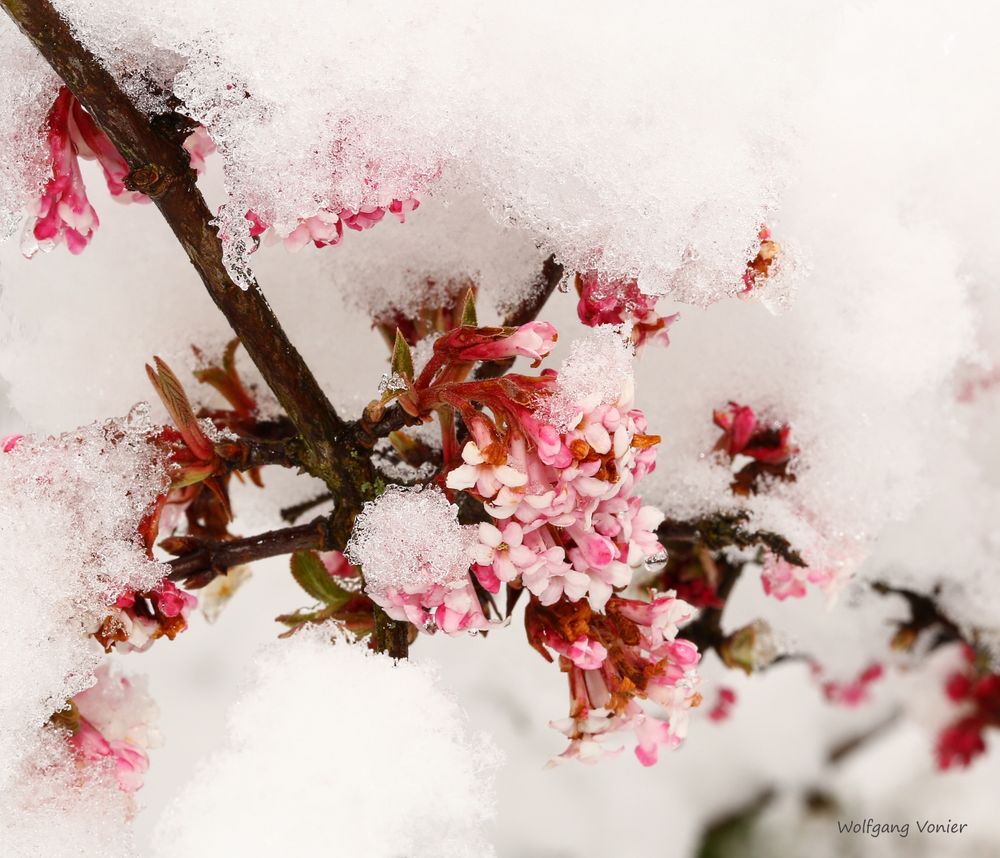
{"x": 379, "y": 753}
{"x": 409, "y": 539}
{"x": 25, "y": 99}
{"x": 54, "y": 806}
{"x": 68, "y": 548}
{"x": 598, "y": 371}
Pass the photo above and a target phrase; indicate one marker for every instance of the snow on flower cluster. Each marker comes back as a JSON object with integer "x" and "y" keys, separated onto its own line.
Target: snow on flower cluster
{"x": 354, "y": 713}
{"x": 480, "y": 106}
{"x": 68, "y": 548}
{"x": 597, "y": 372}
{"x": 415, "y": 558}
{"x": 55, "y": 806}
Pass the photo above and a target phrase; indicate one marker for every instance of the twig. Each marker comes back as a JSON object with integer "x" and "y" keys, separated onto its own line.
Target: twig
{"x": 925, "y": 613}
{"x": 294, "y": 512}
{"x": 214, "y": 557}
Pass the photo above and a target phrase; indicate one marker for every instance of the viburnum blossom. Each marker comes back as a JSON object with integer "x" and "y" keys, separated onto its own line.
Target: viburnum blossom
{"x": 629, "y": 652}
{"x": 415, "y": 558}
{"x": 605, "y": 301}
{"x": 554, "y": 461}
{"x": 724, "y": 702}
{"x": 851, "y": 693}
{"x": 64, "y": 212}
{"x": 114, "y": 720}
{"x": 975, "y": 691}
{"x": 783, "y": 580}
{"x": 326, "y": 228}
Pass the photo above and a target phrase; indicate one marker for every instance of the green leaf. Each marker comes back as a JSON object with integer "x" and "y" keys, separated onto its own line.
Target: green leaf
{"x": 469, "y": 310}
{"x": 299, "y": 617}
{"x": 312, "y": 576}
{"x": 402, "y": 360}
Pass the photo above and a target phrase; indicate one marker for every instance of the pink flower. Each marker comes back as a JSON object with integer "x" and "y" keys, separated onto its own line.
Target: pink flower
{"x": 659, "y": 619}
{"x": 172, "y": 601}
{"x": 650, "y": 733}
{"x": 63, "y": 213}
{"x": 364, "y": 218}
{"x": 585, "y": 653}
{"x": 9, "y": 442}
{"x": 485, "y": 467}
{"x": 743, "y": 435}
{"x": 199, "y": 145}
{"x": 852, "y": 693}
{"x": 324, "y": 229}
{"x": 116, "y": 719}
{"x": 501, "y": 555}
{"x": 784, "y": 580}
{"x": 534, "y": 340}
{"x": 605, "y": 301}
{"x": 724, "y": 703}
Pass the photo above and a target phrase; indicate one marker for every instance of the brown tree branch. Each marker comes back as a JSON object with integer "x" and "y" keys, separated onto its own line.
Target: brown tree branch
{"x": 203, "y": 560}
{"x": 160, "y": 169}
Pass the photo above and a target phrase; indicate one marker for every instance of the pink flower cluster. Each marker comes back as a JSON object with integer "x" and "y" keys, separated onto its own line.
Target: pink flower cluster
{"x": 975, "y": 690}
{"x": 64, "y": 213}
{"x": 724, "y": 703}
{"x": 115, "y": 718}
{"x": 606, "y": 301}
{"x": 555, "y": 460}
{"x": 450, "y": 608}
{"x": 565, "y": 519}
{"x": 138, "y": 619}
{"x": 326, "y": 228}
{"x": 783, "y": 580}
{"x": 745, "y": 435}
{"x": 416, "y": 556}
{"x": 851, "y": 693}
{"x": 631, "y": 652}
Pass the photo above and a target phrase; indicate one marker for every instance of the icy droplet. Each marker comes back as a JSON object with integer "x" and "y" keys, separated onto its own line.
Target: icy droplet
{"x": 656, "y": 562}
